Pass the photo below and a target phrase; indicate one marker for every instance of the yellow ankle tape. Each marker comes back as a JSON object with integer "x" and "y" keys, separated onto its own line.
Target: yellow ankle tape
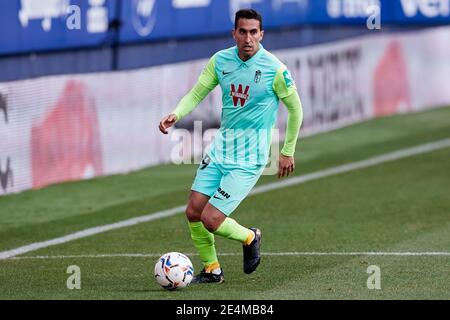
{"x": 209, "y": 268}
{"x": 250, "y": 238}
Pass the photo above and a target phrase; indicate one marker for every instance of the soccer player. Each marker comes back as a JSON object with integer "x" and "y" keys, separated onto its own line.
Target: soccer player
{"x": 252, "y": 82}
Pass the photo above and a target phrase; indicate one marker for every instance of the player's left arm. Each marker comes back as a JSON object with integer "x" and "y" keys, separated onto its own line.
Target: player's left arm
{"x": 286, "y": 90}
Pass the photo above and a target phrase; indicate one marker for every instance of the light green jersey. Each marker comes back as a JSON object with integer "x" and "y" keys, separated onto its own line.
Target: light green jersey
{"x": 250, "y": 98}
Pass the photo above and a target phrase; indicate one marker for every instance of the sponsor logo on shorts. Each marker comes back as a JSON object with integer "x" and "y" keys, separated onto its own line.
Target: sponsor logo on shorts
{"x": 223, "y": 193}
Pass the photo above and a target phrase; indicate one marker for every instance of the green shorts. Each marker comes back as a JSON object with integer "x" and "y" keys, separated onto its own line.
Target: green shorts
{"x": 226, "y": 184}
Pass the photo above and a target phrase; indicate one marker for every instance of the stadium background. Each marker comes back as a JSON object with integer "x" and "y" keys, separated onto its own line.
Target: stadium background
{"x": 85, "y": 102}
{"x": 68, "y": 116}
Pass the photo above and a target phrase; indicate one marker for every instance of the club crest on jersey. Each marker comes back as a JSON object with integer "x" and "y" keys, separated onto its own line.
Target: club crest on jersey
{"x": 257, "y": 76}
{"x": 240, "y": 95}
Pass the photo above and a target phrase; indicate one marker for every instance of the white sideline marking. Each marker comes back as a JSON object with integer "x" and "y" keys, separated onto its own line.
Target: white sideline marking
{"x": 156, "y": 255}
{"x": 391, "y": 156}
{"x": 89, "y": 232}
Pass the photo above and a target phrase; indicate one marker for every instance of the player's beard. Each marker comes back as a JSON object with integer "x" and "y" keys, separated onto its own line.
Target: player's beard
{"x": 249, "y": 51}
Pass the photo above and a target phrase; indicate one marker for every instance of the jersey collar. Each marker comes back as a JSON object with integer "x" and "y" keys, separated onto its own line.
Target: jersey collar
{"x": 253, "y": 59}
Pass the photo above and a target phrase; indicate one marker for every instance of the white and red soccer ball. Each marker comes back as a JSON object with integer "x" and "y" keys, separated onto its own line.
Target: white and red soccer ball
{"x": 174, "y": 270}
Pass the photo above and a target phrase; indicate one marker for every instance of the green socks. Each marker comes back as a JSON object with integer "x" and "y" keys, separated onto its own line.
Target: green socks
{"x": 204, "y": 242}
{"x": 230, "y": 229}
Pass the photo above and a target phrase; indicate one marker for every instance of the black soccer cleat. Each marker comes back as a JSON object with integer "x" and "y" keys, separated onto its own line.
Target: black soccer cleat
{"x": 207, "y": 277}
{"x": 252, "y": 256}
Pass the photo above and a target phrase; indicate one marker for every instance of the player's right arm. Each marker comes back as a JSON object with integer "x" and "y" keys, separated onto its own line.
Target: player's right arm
{"x": 206, "y": 83}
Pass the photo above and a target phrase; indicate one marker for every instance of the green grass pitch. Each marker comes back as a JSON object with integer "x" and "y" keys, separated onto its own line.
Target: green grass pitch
{"x": 398, "y": 206}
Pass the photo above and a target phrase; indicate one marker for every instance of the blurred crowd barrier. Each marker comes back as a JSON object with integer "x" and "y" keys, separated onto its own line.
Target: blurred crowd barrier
{"x": 71, "y": 127}
{"x": 42, "y": 25}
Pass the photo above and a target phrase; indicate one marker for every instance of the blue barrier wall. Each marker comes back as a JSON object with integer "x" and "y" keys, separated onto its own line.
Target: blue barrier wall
{"x": 42, "y": 25}
{"x": 37, "y": 37}
{"x": 140, "y": 55}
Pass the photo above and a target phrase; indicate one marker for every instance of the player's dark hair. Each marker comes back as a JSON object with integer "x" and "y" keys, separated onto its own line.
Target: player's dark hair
{"x": 248, "y": 14}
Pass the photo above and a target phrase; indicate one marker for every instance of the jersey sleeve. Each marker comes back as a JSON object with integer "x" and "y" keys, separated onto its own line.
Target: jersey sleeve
{"x": 206, "y": 83}
{"x": 286, "y": 90}
{"x": 283, "y": 84}
{"x": 209, "y": 78}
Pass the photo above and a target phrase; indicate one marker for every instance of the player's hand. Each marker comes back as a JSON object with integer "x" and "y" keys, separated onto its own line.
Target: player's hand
{"x": 167, "y": 122}
{"x": 286, "y": 165}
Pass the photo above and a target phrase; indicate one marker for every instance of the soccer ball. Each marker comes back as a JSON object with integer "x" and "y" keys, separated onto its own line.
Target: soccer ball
{"x": 173, "y": 270}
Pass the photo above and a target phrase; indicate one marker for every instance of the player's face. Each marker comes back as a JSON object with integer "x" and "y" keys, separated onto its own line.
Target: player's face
{"x": 247, "y": 36}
